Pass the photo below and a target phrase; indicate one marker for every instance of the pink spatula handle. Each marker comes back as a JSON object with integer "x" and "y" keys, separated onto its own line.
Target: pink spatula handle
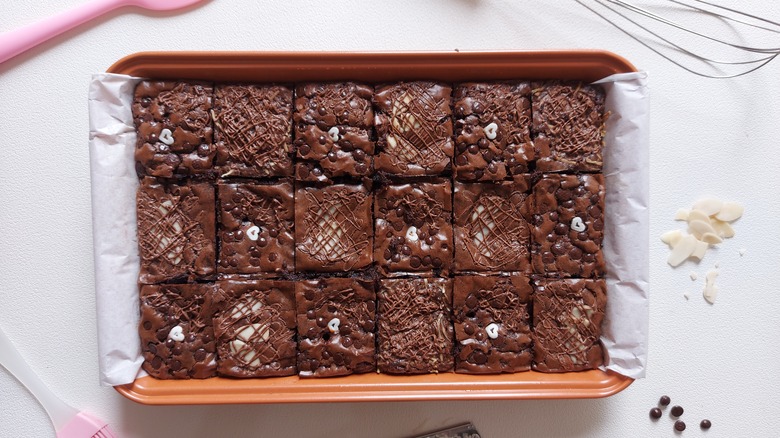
{"x": 17, "y": 41}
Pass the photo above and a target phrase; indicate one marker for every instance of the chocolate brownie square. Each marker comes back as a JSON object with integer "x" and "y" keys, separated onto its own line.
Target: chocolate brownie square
{"x": 567, "y": 225}
{"x": 336, "y": 318}
{"x": 413, "y": 228}
{"x": 569, "y": 123}
{"x": 492, "y": 324}
{"x": 176, "y": 237}
{"x": 256, "y": 228}
{"x": 414, "y": 128}
{"x": 334, "y": 104}
{"x": 567, "y": 324}
{"x": 492, "y": 130}
{"x": 415, "y": 333}
{"x": 333, "y": 229}
{"x": 176, "y": 330}
{"x": 491, "y": 232}
{"x": 173, "y": 124}
{"x": 253, "y": 130}
{"x": 255, "y": 328}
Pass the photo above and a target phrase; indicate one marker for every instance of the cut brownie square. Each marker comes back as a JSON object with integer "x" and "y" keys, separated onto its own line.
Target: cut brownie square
{"x": 569, "y": 123}
{"x": 333, "y": 229}
{"x": 413, "y": 228}
{"x": 492, "y": 324}
{"x": 256, "y": 233}
{"x": 567, "y": 225}
{"x": 173, "y": 124}
{"x": 253, "y": 130}
{"x": 492, "y": 130}
{"x": 255, "y": 328}
{"x": 415, "y": 333}
{"x": 333, "y": 131}
{"x": 336, "y": 318}
{"x": 177, "y": 335}
{"x": 491, "y": 232}
{"x": 176, "y": 237}
{"x": 414, "y": 128}
{"x": 567, "y": 324}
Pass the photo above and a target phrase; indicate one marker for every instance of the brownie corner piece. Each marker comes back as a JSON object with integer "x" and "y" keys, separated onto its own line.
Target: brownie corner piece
{"x": 176, "y": 331}
{"x": 490, "y": 228}
{"x": 492, "y": 323}
{"x": 567, "y": 225}
{"x": 176, "y": 230}
{"x": 173, "y": 127}
{"x": 492, "y": 130}
{"x": 256, "y": 228}
{"x": 333, "y": 228}
{"x": 414, "y": 128}
{"x": 336, "y": 320}
{"x": 254, "y": 326}
{"x": 253, "y": 130}
{"x": 567, "y": 319}
{"x": 569, "y": 126}
{"x": 415, "y": 334}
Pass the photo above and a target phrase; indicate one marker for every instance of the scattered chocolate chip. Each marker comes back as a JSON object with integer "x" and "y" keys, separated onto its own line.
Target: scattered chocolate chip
{"x": 665, "y": 400}
{"x": 679, "y": 425}
{"x": 655, "y": 413}
{"x": 705, "y": 424}
{"x": 677, "y": 411}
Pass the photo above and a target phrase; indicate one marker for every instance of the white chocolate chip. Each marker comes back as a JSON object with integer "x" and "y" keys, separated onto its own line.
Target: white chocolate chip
{"x": 411, "y": 234}
{"x": 699, "y": 228}
{"x": 333, "y": 325}
{"x": 712, "y": 239}
{"x": 253, "y": 232}
{"x": 723, "y": 229}
{"x": 710, "y": 291}
{"x": 672, "y": 237}
{"x": 682, "y": 214}
{"x": 577, "y": 224}
{"x": 730, "y": 212}
{"x": 176, "y": 334}
{"x": 166, "y": 136}
{"x": 682, "y": 250}
{"x": 492, "y": 330}
{"x": 708, "y": 206}
{"x": 698, "y": 215}
{"x": 334, "y": 134}
{"x": 700, "y": 250}
{"x": 490, "y": 131}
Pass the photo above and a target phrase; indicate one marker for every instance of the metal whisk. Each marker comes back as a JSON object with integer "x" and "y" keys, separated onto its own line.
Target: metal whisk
{"x": 691, "y": 49}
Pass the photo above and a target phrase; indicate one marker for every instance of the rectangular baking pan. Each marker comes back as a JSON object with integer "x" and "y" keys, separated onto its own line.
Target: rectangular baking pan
{"x": 286, "y": 67}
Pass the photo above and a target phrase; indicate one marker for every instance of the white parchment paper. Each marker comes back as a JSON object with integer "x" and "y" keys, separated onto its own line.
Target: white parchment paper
{"x": 114, "y": 183}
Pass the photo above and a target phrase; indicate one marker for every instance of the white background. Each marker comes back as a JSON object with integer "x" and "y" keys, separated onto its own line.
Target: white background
{"x": 708, "y": 137}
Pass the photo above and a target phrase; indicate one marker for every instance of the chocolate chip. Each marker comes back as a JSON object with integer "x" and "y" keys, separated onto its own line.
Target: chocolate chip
{"x": 655, "y": 413}
{"x": 468, "y": 328}
{"x": 665, "y": 400}
{"x": 479, "y": 357}
{"x": 679, "y": 426}
{"x": 677, "y": 411}
{"x": 705, "y": 424}
{"x": 473, "y": 149}
{"x": 415, "y": 262}
{"x": 147, "y": 325}
{"x": 472, "y": 301}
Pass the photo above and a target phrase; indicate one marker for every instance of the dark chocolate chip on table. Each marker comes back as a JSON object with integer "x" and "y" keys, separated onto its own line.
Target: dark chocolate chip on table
{"x": 655, "y": 413}
{"x": 679, "y": 425}
{"x": 665, "y": 400}
{"x": 677, "y": 411}
{"x": 705, "y": 424}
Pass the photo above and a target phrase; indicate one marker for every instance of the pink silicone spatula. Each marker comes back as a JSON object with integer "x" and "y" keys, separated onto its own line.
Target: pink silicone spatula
{"x": 17, "y": 41}
{"x": 67, "y": 421}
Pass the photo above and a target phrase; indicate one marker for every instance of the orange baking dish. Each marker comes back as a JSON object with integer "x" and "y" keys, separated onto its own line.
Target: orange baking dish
{"x": 585, "y": 65}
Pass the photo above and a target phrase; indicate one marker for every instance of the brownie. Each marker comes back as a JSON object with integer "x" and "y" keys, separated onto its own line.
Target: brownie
{"x": 414, "y": 128}
{"x": 255, "y": 328}
{"x": 333, "y": 229}
{"x": 568, "y": 126}
{"x": 491, "y": 232}
{"x": 413, "y": 227}
{"x": 567, "y": 319}
{"x": 567, "y": 225}
{"x": 334, "y": 104}
{"x": 492, "y": 130}
{"x": 256, "y": 228}
{"x": 176, "y": 237}
{"x": 173, "y": 126}
{"x": 415, "y": 334}
{"x": 336, "y": 318}
{"x": 253, "y": 126}
{"x": 176, "y": 331}
{"x": 492, "y": 316}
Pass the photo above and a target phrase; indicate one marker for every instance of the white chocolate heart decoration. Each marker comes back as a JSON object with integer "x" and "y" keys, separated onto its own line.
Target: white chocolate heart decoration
{"x": 176, "y": 334}
{"x": 334, "y": 134}
{"x": 577, "y": 224}
{"x": 166, "y": 136}
{"x": 333, "y": 325}
{"x": 491, "y": 130}
{"x": 492, "y": 330}
{"x": 253, "y": 232}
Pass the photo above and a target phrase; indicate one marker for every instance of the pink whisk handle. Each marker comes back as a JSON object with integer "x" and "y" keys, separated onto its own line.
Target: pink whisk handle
{"x": 17, "y": 41}
{"x": 84, "y": 425}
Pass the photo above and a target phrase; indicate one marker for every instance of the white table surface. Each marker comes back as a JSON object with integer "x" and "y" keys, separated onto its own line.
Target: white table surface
{"x": 708, "y": 137}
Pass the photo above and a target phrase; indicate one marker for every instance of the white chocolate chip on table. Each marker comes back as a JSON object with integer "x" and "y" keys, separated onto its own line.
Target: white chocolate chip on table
{"x": 710, "y": 291}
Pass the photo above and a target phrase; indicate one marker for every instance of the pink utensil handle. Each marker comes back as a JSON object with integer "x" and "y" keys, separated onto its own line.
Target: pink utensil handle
{"x": 17, "y": 41}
